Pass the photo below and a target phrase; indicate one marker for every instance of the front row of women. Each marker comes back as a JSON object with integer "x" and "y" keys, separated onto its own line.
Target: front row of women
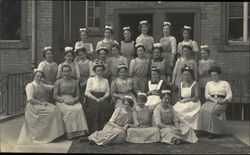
{"x": 131, "y": 121}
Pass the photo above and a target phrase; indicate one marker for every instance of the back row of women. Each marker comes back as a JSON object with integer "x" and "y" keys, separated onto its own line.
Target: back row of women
{"x": 112, "y": 80}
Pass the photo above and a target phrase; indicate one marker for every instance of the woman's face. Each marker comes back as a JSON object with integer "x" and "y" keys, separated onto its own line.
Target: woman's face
{"x": 140, "y": 102}
{"x": 107, "y": 33}
{"x": 123, "y": 73}
{"x": 102, "y": 55}
{"x": 156, "y": 53}
{"x": 186, "y": 52}
{"x": 127, "y": 106}
{"x": 49, "y": 55}
{"x": 69, "y": 57}
{"x": 185, "y": 34}
{"x": 166, "y": 30}
{"x": 155, "y": 76}
{"x": 115, "y": 51}
{"x": 144, "y": 29}
{"x": 99, "y": 71}
{"x": 215, "y": 76}
{"x": 140, "y": 52}
{"x": 127, "y": 35}
{"x": 82, "y": 55}
{"x": 38, "y": 77}
{"x": 83, "y": 35}
{"x": 166, "y": 100}
{"x": 186, "y": 76}
{"x": 66, "y": 72}
{"x": 204, "y": 55}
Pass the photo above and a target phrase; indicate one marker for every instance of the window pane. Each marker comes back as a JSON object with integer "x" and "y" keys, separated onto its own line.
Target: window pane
{"x": 97, "y": 12}
{"x": 97, "y": 3}
{"x": 90, "y": 12}
{"x": 90, "y": 22}
{"x": 235, "y": 29}
{"x": 236, "y": 9}
{"x": 97, "y": 22}
{"x": 10, "y": 20}
{"x": 90, "y": 3}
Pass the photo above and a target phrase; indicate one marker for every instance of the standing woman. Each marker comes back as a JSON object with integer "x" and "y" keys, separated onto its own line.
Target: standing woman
{"x": 115, "y": 60}
{"x": 49, "y": 68}
{"x": 66, "y": 95}
{"x": 218, "y": 94}
{"x": 84, "y": 42}
{"x": 186, "y": 30}
{"x": 123, "y": 86}
{"x": 155, "y": 86}
{"x": 69, "y": 57}
{"x": 180, "y": 63}
{"x": 127, "y": 45}
{"x": 172, "y": 130}
{"x": 139, "y": 68}
{"x": 161, "y": 63}
{"x": 204, "y": 65}
{"x": 97, "y": 92}
{"x": 188, "y": 104}
{"x": 143, "y": 131}
{"x": 145, "y": 39}
{"x": 169, "y": 45}
{"x": 84, "y": 69}
{"x": 43, "y": 121}
{"x": 108, "y": 39}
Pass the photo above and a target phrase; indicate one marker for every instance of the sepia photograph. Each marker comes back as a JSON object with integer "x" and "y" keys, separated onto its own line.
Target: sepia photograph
{"x": 124, "y": 77}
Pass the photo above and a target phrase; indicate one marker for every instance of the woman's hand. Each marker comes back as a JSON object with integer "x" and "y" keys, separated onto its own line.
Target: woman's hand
{"x": 69, "y": 101}
{"x": 125, "y": 127}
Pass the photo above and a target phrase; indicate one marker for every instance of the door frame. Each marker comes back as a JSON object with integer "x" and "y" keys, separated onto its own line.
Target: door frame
{"x": 158, "y": 17}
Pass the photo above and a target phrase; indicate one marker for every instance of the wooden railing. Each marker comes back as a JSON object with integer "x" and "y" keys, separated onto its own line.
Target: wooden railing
{"x": 13, "y": 99}
{"x": 12, "y": 96}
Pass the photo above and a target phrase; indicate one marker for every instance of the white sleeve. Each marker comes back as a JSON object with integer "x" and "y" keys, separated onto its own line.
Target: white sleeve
{"x": 195, "y": 46}
{"x": 115, "y": 114}
{"x": 88, "y": 87}
{"x": 229, "y": 94}
{"x": 41, "y": 66}
{"x": 207, "y": 95}
{"x": 173, "y": 44}
{"x": 29, "y": 91}
{"x": 91, "y": 48}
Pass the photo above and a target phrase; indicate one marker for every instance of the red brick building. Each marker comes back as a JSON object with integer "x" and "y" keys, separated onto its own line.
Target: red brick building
{"x": 223, "y": 26}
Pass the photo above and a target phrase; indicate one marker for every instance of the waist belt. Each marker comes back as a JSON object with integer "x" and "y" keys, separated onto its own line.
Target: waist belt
{"x": 218, "y": 96}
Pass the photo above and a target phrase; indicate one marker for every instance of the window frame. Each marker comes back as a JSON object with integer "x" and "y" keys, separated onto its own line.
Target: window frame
{"x": 22, "y": 43}
{"x": 225, "y": 45}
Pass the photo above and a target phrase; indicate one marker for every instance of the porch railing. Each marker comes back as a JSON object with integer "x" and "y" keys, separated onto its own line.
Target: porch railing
{"x": 12, "y": 96}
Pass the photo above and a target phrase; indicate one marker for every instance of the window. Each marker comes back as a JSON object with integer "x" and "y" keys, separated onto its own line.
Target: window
{"x": 238, "y": 23}
{"x": 93, "y": 15}
{"x": 10, "y": 20}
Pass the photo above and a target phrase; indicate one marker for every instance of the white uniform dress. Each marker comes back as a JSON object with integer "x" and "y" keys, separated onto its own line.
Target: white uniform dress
{"x": 188, "y": 112}
{"x": 153, "y": 99}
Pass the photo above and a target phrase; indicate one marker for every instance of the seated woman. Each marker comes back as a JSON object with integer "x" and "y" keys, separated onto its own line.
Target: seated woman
{"x": 114, "y": 130}
{"x": 143, "y": 132}
{"x": 69, "y": 60}
{"x": 99, "y": 109}
{"x": 155, "y": 86}
{"x": 123, "y": 86}
{"x": 43, "y": 121}
{"x": 66, "y": 95}
{"x": 212, "y": 114}
{"x": 172, "y": 130}
{"x": 188, "y": 106}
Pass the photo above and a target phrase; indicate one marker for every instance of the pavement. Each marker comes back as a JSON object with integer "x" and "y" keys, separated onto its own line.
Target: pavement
{"x": 10, "y": 129}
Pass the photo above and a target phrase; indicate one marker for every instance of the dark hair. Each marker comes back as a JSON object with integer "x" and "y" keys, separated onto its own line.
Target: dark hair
{"x": 70, "y": 51}
{"x": 112, "y": 32}
{"x": 116, "y": 46}
{"x": 118, "y": 69}
{"x": 189, "y": 70}
{"x": 83, "y": 49}
{"x": 155, "y": 70}
{"x": 168, "y": 26}
{"x": 66, "y": 66}
{"x": 147, "y": 24}
{"x": 136, "y": 55}
{"x": 144, "y": 98}
{"x": 188, "y": 47}
{"x": 35, "y": 72}
{"x": 45, "y": 52}
{"x": 83, "y": 31}
{"x": 183, "y": 29}
{"x": 159, "y": 48}
{"x": 130, "y": 101}
{"x": 215, "y": 69}
{"x": 162, "y": 95}
{"x": 206, "y": 49}
{"x": 99, "y": 50}
{"x": 95, "y": 66}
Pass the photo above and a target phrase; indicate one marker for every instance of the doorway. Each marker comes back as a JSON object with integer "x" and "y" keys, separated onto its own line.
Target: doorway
{"x": 132, "y": 20}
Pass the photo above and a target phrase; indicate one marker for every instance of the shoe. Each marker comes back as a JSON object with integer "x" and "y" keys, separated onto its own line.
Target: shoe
{"x": 91, "y": 142}
{"x": 197, "y": 133}
{"x": 83, "y": 139}
{"x": 177, "y": 142}
{"x": 210, "y": 136}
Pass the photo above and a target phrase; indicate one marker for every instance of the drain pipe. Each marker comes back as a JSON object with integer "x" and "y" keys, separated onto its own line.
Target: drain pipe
{"x": 33, "y": 41}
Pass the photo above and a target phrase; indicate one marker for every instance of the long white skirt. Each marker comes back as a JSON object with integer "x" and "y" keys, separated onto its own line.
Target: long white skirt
{"x": 188, "y": 112}
{"x": 42, "y": 124}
